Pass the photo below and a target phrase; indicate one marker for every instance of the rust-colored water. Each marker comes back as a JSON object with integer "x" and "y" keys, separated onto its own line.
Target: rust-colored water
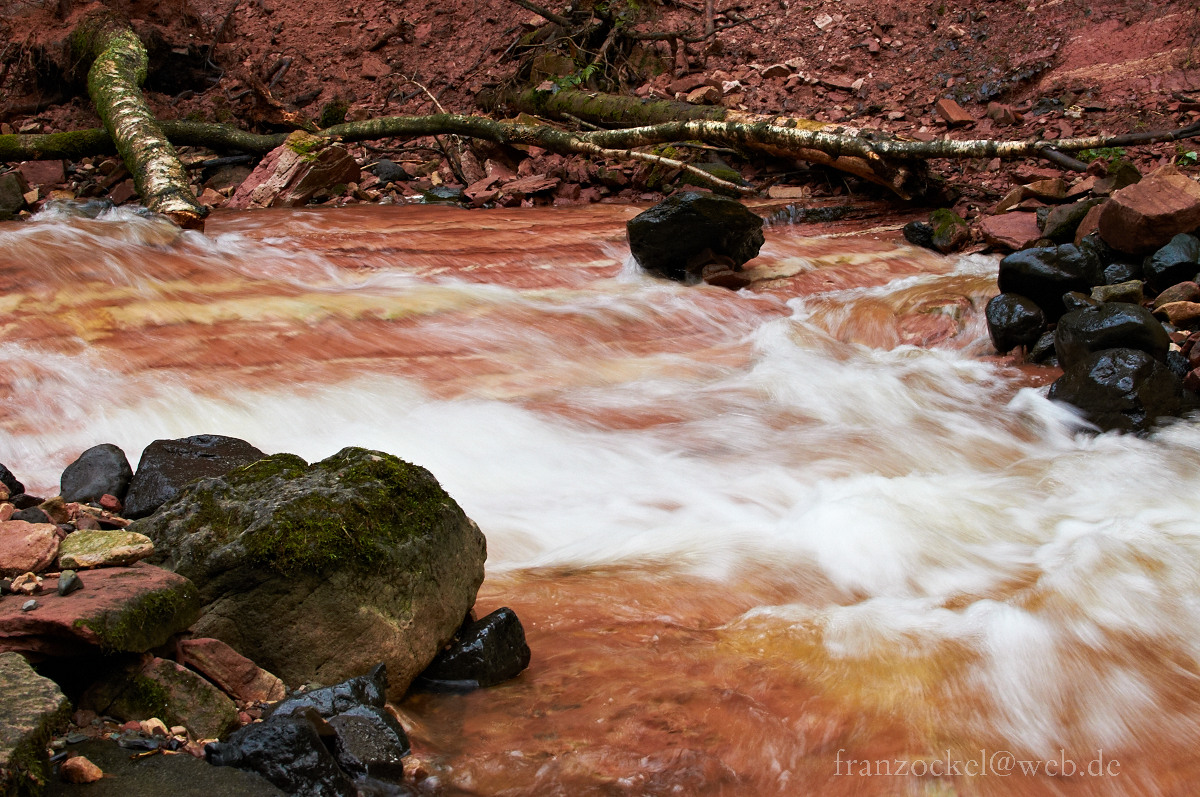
{"x": 789, "y": 540}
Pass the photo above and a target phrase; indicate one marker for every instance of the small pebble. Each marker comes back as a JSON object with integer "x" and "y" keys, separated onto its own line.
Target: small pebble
{"x": 29, "y": 605}
{"x": 68, "y": 582}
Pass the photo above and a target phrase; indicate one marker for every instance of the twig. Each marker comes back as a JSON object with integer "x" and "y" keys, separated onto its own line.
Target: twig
{"x": 1063, "y": 160}
{"x": 284, "y": 64}
{"x": 558, "y": 19}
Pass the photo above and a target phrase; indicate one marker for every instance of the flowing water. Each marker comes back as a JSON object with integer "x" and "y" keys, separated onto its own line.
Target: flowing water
{"x": 802, "y": 538}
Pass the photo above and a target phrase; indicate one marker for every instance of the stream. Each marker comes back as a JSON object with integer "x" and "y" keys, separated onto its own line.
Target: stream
{"x": 811, "y": 537}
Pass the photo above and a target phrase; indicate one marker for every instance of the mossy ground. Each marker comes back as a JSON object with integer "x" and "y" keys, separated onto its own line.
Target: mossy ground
{"x": 146, "y": 622}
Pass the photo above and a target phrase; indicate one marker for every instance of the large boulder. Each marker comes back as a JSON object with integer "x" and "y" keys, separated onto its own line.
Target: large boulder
{"x": 1120, "y": 389}
{"x": 317, "y": 572}
{"x": 685, "y": 232}
{"x": 1113, "y": 325}
{"x": 167, "y": 465}
{"x": 32, "y": 710}
{"x": 1141, "y": 217}
{"x": 100, "y": 470}
{"x": 1044, "y": 274}
{"x": 1014, "y": 321}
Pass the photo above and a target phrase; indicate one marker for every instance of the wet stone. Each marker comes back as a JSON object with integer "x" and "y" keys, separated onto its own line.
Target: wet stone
{"x": 287, "y": 751}
{"x": 671, "y": 238}
{"x": 1014, "y": 321}
{"x": 328, "y": 701}
{"x": 1109, "y": 326}
{"x": 1179, "y": 260}
{"x": 489, "y": 651}
{"x": 1120, "y": 389}
{"x": 167, "y": 465}
{"x": 99, "y": 470}
{"x": 370, "y": 742}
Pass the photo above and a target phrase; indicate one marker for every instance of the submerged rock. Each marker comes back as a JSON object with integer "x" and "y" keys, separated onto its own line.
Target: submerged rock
{"x": 1014, "y": 321}
{"x": 298, "y": 565}
{"x": 1120, "y": 389}
{"x": 1113, "y": 325}
{"x": 484, "y": 653}
{"x": 166, "y": 466}
{"x": 688, "y": 230}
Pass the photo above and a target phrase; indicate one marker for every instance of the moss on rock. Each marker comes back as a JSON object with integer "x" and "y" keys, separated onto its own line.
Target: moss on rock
{"x": 147, "y": 620}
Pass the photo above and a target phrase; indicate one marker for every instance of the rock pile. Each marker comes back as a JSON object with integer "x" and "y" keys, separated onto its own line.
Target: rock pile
{"x": 243, "y": 565}
{"x": 1118, "y": 309}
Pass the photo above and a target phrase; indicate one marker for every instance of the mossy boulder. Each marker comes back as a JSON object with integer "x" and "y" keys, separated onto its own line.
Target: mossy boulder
{"x": 33, "y": 708}
{"x": 318, "y": 572}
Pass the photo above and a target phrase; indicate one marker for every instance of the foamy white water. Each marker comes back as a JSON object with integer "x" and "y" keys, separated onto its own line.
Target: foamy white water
{"x": 941, "y": 506}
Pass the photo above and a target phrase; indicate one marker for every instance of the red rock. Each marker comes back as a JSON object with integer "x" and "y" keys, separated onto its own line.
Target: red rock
{"x": 1184, "y": 315}
{"x": 235, "y": 674}
{"x": 111, "y": 503}
{"x": 374, "y": 68}
{"x": 953, "y": 113}
{"x": 291, "y": 173}
{"x": 1052, "y": 189}
{"x": 122, "y": 192}
{"x": 705, "y": 95}
{"x": 120, "y": 609}
{"x": 45, "y": 173}
{"x": 529, "y": 185}
{"x": 1090, "y": 223}
{"x": 214, "y": 199}
{"x": 1003, "y": 114}
{"x": 1142, "y": 217}
{"x": 27, "y": 547}
{"x": 686, "y": 84}
{"x": 1011, "y": 231}
{"x": 776, "y": 71}
{"x": 6, "y": 511}
{"x": 79, "y": 770}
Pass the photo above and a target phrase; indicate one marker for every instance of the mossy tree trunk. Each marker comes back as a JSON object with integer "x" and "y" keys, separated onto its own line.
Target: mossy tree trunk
{"x": 117, "y": 68}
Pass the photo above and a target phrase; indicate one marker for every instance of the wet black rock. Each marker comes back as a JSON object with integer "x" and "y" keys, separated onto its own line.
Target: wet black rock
{"x": 1063, "y": 220}
{"x": 1116, "y": 266}
{"x": 167, "y": 465}
{"x": 688, "y": 230}
{"x": 389, "y": 171}
{"x": 918, "y": 233}
{"x": 1014, "y": 321}
{"x": 1044, "y": 274}
{"x": 1179, "y": 260}
{"x": 25, "y": 501}
{"x": 1043, "y": 350}
{"x": 1120, "y": 389}
{"x": 1114, "y": 325}
{"x": 100, "y": 470}
{"x": 483, "y": 653}
{"x": 10, "y": 481}
{"x": 371, "y": 742}
{"x": 328, "y": 701}
{"x": 289, "y": 752}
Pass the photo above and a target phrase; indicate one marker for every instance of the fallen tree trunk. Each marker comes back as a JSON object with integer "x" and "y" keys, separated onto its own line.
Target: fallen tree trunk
{"x": 117, "y": 68}
{"x": 886, "y": 161}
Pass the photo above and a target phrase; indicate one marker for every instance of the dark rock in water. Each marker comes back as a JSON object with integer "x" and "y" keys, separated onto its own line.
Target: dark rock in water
{"x": 298, "y": 564}
{"x": 1178, "y": 363}
{"x": 1115, "y": 325}
{"x": 1120, "y": 389}
{"x": 167, "y": 465}
{"x": 168, "y": 775}
{"x": 1074, "y": 300}
{"x": 918, "y": 233}
{"x": 1014, "y": 321}
{"x": 371, "y": 742}
{"x": 389, "y": 171}
{"x": 287, "y": 751}
{"x": 688, "y": 230}
{"x": 1043, "y": 350}
{"x": 10, "y": 481}
{"x": 444, "y": 193}
{"x": 950, "y": 231}
{"x": 99, "y": 470}
{"x": 328, "y": 701}
{"x": 1046, "y": 273}
{"x": 486, "y": 652}
{"x": 1179, "y": 260}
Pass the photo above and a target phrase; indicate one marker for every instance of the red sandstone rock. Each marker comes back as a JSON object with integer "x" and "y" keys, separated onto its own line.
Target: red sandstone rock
{"x": 121, "y": 609}
{"x": 110, "y": 503}
{"x": 294, "y": 171}
{"x": 954, "y": 114}
{"x": 26, "y": 547}
{"x": 1010, "y": 231}
{"x": 1090, "y": 223}
{"x": 79, "y": 770}
{"x": 44, "y": 173}
{"x": 1183, "y": 315}
{"x": 235, "y": 674}
{"x": 1140, "y": 218}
